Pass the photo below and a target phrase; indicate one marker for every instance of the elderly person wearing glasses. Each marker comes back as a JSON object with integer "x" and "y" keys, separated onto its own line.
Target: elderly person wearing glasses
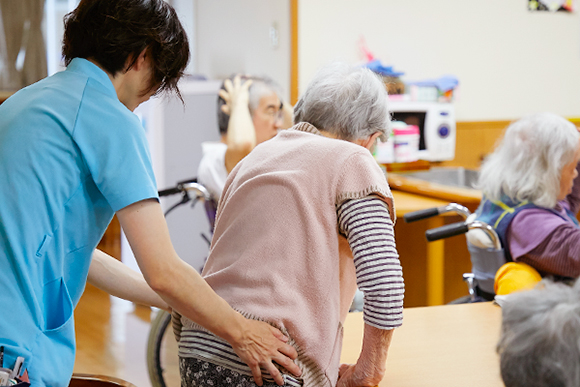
{"x": 250, "y": 111}
{"x": 532, "y": 196}
{"x": 303, "y": 220}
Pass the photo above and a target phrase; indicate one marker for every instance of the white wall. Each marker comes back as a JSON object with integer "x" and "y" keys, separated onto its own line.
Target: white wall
{"x": 185, "y": 10}
{"x": 235, "y": 36}
{"x": 509, "y": 61}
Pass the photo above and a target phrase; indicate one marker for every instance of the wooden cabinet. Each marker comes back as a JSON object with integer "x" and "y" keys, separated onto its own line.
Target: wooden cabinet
{"x": 433, "y": 271}
{"x": 4, "y": 95}
{"x": 111, "y": 241}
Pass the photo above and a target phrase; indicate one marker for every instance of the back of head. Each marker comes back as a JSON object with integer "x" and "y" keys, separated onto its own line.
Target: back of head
{"x": 349, "y": 102}
{"x": 540, "y": 340}
{"x": 527, "y": 163}
{"x": 112, "y": 31}
{"x": 260, "y": 87}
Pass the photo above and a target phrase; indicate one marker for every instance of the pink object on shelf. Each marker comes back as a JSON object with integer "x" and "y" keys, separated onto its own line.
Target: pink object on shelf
{"x": 407, "y": 130}
{"x": 406, "y": 143}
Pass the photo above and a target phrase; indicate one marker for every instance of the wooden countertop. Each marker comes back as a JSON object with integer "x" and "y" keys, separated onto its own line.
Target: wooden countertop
{"x": 406, "y": 202}
{"x": 464, "y": 196}
{"x": 449, "y": 345}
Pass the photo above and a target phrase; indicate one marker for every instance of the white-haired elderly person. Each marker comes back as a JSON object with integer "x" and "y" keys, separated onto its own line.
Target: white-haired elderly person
{"x": 539, "y": 344}
{"x": 250, "y": 110}
{"x": 531, "y": 198}
{"x": 303, "y": 219}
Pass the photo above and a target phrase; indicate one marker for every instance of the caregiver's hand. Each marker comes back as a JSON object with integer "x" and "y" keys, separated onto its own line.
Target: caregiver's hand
{"x": 261, "y": 344}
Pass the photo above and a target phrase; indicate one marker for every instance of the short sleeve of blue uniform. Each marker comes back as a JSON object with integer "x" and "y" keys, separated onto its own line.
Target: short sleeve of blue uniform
{"x": 115, "y": 149}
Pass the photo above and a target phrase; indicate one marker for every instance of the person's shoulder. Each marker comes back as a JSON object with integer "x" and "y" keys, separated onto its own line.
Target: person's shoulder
{"x": 535, "y": 212}
{"x": 542, "y": 219}
{"x": 98, "y": 96}
{"x": 213, "y": 155}
{"x": 213, "y": 147}
{"x": 331, "y": 144}
{"x": 98, "y": 107}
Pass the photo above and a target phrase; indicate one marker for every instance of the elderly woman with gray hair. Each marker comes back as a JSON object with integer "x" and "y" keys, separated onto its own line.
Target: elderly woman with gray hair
{"x": 303, "y": 220}
{"x": 531, "y": 196}
{"x": 539, "y": 343}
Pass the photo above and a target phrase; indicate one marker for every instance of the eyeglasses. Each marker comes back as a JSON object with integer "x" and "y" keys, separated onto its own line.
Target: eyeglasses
{"x": 275, "y": 115}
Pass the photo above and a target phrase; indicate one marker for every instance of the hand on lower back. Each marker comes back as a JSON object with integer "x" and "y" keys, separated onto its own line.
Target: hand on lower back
{"x": 260, "y": 346}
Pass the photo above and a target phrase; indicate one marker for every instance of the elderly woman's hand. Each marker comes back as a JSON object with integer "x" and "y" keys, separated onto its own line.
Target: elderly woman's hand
{"x": 350, "y": 376}
{"x": 260, "y": 346}
{"x": 370, "y": 366}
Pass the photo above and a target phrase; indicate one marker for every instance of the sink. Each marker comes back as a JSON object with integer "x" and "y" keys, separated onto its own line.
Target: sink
{"x": 456, "y": 177}
{"x": 455, "y": 184}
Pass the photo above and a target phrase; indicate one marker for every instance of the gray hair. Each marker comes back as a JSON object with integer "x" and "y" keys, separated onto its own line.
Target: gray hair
{"x": 527, "y": 164}
{"x": 349, "y": 102}
{"x": 260, "y": 87}
{"x": 540, "y": 338}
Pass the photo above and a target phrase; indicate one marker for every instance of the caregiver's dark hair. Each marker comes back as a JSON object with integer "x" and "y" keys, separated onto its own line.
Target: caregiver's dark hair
{"x": 111, "y": 31}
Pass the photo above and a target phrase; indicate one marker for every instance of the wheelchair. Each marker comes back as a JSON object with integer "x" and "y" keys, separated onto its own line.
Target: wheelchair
{"x": 483, "y": 243}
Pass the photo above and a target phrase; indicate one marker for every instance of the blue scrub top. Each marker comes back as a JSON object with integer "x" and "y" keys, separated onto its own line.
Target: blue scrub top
{"x": 71, "y": 154}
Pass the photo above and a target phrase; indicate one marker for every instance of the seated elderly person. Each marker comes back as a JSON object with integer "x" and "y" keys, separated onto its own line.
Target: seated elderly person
{"x": 292, "y": 215}
{"x": 250, "y": 111}
{"x": 539, "y": 344}
{"x": 531, "y": 196}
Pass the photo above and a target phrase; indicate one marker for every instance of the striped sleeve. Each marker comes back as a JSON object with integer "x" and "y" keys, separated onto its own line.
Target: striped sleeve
{"x": 369, "y": 230}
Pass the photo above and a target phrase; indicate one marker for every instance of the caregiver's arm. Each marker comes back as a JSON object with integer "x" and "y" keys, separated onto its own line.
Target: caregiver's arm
{"x": 119, "y": 280}
{"x": 369, "y": 230}
{"x": 257, "y": 343}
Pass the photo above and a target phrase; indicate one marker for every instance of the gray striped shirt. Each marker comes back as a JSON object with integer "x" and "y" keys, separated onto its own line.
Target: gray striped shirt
{"x": 369, "y": 230}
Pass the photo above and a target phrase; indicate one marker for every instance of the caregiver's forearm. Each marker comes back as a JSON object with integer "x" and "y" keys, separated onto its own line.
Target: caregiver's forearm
{"x": 179, "y": 284}
{"x": 117, "y": 279}
{"x": 182, "y": 287}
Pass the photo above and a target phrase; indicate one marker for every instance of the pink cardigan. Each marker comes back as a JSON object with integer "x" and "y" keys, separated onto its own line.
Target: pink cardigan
{"x": 276, "y": 253}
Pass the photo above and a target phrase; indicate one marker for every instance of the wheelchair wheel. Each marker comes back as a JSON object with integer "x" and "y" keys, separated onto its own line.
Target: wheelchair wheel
{"x": 162, "y": 357}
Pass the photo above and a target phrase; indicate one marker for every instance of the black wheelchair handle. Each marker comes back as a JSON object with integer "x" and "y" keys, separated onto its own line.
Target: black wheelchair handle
{"x": 169, "y": 191}
{"x": 421, "y": 214}
{"x": 446, "y": 231}
{"x": 177, "y": 189}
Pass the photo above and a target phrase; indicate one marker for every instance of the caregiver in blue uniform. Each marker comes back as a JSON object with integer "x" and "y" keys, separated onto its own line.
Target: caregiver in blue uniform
{"x": 72, "y": 154}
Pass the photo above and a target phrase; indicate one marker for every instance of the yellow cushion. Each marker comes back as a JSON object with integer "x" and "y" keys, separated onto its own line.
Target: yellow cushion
{"x": 514, "y": 276}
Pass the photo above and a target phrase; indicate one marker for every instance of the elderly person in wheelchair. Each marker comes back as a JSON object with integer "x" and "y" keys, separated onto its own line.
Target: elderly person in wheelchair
{"x": 303, "y": 219}
{"x": 531, "y": 199}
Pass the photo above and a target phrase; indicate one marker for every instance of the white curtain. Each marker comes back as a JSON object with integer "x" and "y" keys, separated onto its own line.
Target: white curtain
{"x": 21, "y": 33}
